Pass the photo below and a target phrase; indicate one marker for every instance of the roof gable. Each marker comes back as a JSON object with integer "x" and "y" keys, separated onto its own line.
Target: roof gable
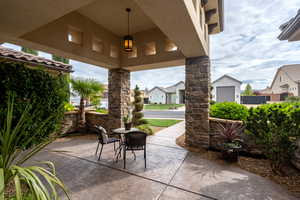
{"x": 227, "y": 76}
{"x": 292, "y": 72}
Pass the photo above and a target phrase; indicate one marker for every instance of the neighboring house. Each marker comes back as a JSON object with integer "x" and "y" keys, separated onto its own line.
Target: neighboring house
{"x": 226, "y": 88}
{"x": 174, "y": 94}
{"x": 286, "y": 81}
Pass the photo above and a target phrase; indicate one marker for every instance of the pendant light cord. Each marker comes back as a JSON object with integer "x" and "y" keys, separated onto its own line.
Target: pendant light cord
{"x": 128, "y": 11}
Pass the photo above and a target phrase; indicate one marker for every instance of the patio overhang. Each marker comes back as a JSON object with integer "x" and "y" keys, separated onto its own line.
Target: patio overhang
{"x": 161, "y": 39}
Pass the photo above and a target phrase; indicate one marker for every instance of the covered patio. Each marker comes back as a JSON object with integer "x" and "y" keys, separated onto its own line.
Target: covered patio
{"x": 92, "y": 31}
{"x": 172, "y": 173}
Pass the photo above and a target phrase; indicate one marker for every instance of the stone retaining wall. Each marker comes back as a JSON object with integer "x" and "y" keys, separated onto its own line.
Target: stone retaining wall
{"x": 95, "y": 118}
{"x": 70, "y": 121}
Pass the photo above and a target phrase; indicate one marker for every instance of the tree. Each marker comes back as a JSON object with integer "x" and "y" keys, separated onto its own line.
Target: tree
{"x": 60, "y": 59}
{"x": 30, "y": 51}
{"x": 137, "y": 115}
{"x": 248, "y": 91}
{"x": 86, "y": 89}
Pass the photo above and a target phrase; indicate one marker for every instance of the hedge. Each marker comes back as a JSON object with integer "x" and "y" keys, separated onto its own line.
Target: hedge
{"x": 46, "y": 92}
{"x": 229, "y": 110}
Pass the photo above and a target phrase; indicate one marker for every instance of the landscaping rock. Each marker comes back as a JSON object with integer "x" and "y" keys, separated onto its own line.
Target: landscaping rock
{"x": 296, "y": 159}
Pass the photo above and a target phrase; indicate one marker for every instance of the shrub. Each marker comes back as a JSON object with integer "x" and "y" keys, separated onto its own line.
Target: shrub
{"x": 102, "y": 110}
{"x": 29, "y": 181}
{"x": 69, "y": 107}
{"x": 137, "y": 115}
{"x": 145, "y": 128}
{"x": 275, "y": 127}
{"x": 229, "y": 110}
{"x": 292, "y": 99}
{"x": 48, "y": 93}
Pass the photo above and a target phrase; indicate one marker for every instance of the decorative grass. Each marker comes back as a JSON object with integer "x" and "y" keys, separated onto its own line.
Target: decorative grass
{"x": 162, "y": 106}
{"x": 162, "y": 122}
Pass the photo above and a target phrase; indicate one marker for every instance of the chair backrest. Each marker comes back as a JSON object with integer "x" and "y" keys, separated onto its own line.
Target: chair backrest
{"x": 135, "y": 139}
{"x": 101, "y": 132}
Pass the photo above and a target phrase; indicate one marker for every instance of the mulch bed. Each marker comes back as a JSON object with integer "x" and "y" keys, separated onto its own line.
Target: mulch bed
{"x": 258, "y": 166}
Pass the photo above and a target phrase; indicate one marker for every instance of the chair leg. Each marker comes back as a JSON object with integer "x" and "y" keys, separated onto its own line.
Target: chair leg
{"x": 145, "y": 158}
{"x": 124, "y": 157}
{"x": 97, "y": 147}
{"x": 100, "y": 152}
{"x": 134, "y": 154}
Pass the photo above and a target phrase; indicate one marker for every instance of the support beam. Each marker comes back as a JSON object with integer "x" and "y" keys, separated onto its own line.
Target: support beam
{"x": 197, "y": 101}
{"x": 118, "y": 96}
{"x": 209, "y": 14}
{"x": 211, "y": 27}
{"x": 181, "y": 25}
{"x": 203, "y": 2}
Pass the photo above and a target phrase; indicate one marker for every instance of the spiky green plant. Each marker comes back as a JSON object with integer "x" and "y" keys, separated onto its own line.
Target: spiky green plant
{"x": 12, "y": 158}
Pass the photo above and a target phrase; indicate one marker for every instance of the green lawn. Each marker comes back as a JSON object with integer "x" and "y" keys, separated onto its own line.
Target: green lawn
{"x": 162, "y": 122}
{"x": 162, "y": 106}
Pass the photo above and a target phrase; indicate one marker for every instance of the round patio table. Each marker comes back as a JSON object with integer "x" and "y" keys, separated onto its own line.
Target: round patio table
{"x": 121, "y": 132}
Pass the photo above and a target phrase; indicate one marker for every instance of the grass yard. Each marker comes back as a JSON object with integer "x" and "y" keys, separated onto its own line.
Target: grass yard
{"x": 162, "y": 106}
{"x": 162, "y": 122}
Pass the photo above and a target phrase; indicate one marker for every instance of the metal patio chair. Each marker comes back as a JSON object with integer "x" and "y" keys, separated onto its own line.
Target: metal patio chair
{"x": 135, "y": 141}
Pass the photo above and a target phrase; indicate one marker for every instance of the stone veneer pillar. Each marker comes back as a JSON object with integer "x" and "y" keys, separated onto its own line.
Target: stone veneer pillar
{"x": 118, "y": 96}
{"x": 197, "y": 91}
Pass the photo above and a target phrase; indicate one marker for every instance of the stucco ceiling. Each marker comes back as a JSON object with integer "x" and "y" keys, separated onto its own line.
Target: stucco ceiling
{"x": 20, "y": 17}
{"x": 111, "y": 15}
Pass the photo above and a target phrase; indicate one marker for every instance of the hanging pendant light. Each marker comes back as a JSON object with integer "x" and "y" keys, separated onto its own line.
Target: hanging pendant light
{"x": 128, "y": 39}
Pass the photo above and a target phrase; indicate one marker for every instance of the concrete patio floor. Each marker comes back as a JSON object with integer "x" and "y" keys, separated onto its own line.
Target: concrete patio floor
{"x": 172, "y": 173}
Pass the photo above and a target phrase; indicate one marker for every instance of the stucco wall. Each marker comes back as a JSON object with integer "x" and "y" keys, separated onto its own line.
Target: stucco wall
{"x": 179, "y": 87}
{"x": 157, "y": 96}
{"x": 227, "y": 82}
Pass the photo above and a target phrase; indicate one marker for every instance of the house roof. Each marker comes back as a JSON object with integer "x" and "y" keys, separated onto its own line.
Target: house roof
{"x": 30, "y": 59}
{"x": 292, "y": 71}
{"x": 227, "y": 76}
{"x": 170, "y": 89}
{"x": 290, "y": 27}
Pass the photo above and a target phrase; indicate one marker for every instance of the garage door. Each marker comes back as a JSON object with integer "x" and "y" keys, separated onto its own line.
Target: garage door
{"x": 225, "y": 93}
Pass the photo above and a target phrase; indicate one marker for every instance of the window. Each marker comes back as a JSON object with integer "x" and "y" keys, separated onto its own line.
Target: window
{"x": 150, "y": 49}
{"x": 170, "y": 46}
{"x": 74, "y": 35}
{"x": 133, "y": 54}
{"x": 280, "y": 78}
{"x": 97, "y": 45}
{"x": 114, "y": 51}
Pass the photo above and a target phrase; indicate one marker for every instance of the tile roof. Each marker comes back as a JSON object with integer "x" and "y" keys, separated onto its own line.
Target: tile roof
{"x": 30, "y": 59}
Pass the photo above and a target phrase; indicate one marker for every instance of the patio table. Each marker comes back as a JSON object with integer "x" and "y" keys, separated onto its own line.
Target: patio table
{"x": 121, "y": 132}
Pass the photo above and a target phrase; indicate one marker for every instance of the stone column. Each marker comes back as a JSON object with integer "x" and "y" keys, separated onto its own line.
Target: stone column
{"x": 118, "y": 96}
{"x": 197, "y": 90}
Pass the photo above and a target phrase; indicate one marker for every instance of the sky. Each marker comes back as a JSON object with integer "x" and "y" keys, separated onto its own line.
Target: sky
{"x": 247, "y": 49}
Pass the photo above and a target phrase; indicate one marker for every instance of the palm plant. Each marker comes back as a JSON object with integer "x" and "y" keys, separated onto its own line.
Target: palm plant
{"x": 86, "y": 89}
{"x": 27, "y": 180}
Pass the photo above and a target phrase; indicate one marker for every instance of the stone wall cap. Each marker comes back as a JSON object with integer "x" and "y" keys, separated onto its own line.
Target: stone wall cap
{"x": 224, "y": 120}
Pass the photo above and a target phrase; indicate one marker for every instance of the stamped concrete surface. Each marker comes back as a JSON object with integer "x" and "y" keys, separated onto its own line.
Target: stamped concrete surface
{"x": 172, "y": 173}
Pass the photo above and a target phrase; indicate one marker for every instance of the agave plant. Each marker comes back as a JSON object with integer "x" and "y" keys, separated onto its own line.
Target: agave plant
{"x": 26, "y": 180}
{"x": 231, "y": 131}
